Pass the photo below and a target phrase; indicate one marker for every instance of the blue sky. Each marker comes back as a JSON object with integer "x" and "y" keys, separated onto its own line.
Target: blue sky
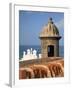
{"x": 31, "y": 24}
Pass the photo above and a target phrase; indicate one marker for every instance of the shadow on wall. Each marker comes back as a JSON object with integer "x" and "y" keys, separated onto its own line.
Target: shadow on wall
{"x": 42, "y": 71}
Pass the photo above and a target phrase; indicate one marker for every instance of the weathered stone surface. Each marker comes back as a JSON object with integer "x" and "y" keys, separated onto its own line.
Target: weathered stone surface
{"x": 50, "y": 40}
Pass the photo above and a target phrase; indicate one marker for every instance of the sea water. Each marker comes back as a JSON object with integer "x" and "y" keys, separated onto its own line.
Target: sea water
{"x": 38, "y": 49}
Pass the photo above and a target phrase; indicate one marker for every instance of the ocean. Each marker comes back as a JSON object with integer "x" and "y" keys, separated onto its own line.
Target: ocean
{"x": 38, "y": 48}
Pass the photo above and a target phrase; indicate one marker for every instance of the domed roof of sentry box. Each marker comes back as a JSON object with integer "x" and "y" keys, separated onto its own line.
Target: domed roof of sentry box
{"x": 49, "y": 30}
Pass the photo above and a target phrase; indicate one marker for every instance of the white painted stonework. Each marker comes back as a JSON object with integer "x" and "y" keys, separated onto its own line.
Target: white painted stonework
{"x": 30, "y": 54}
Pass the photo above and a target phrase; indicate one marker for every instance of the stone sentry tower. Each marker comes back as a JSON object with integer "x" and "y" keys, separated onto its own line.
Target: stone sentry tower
{"x": 50, "y": 40}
